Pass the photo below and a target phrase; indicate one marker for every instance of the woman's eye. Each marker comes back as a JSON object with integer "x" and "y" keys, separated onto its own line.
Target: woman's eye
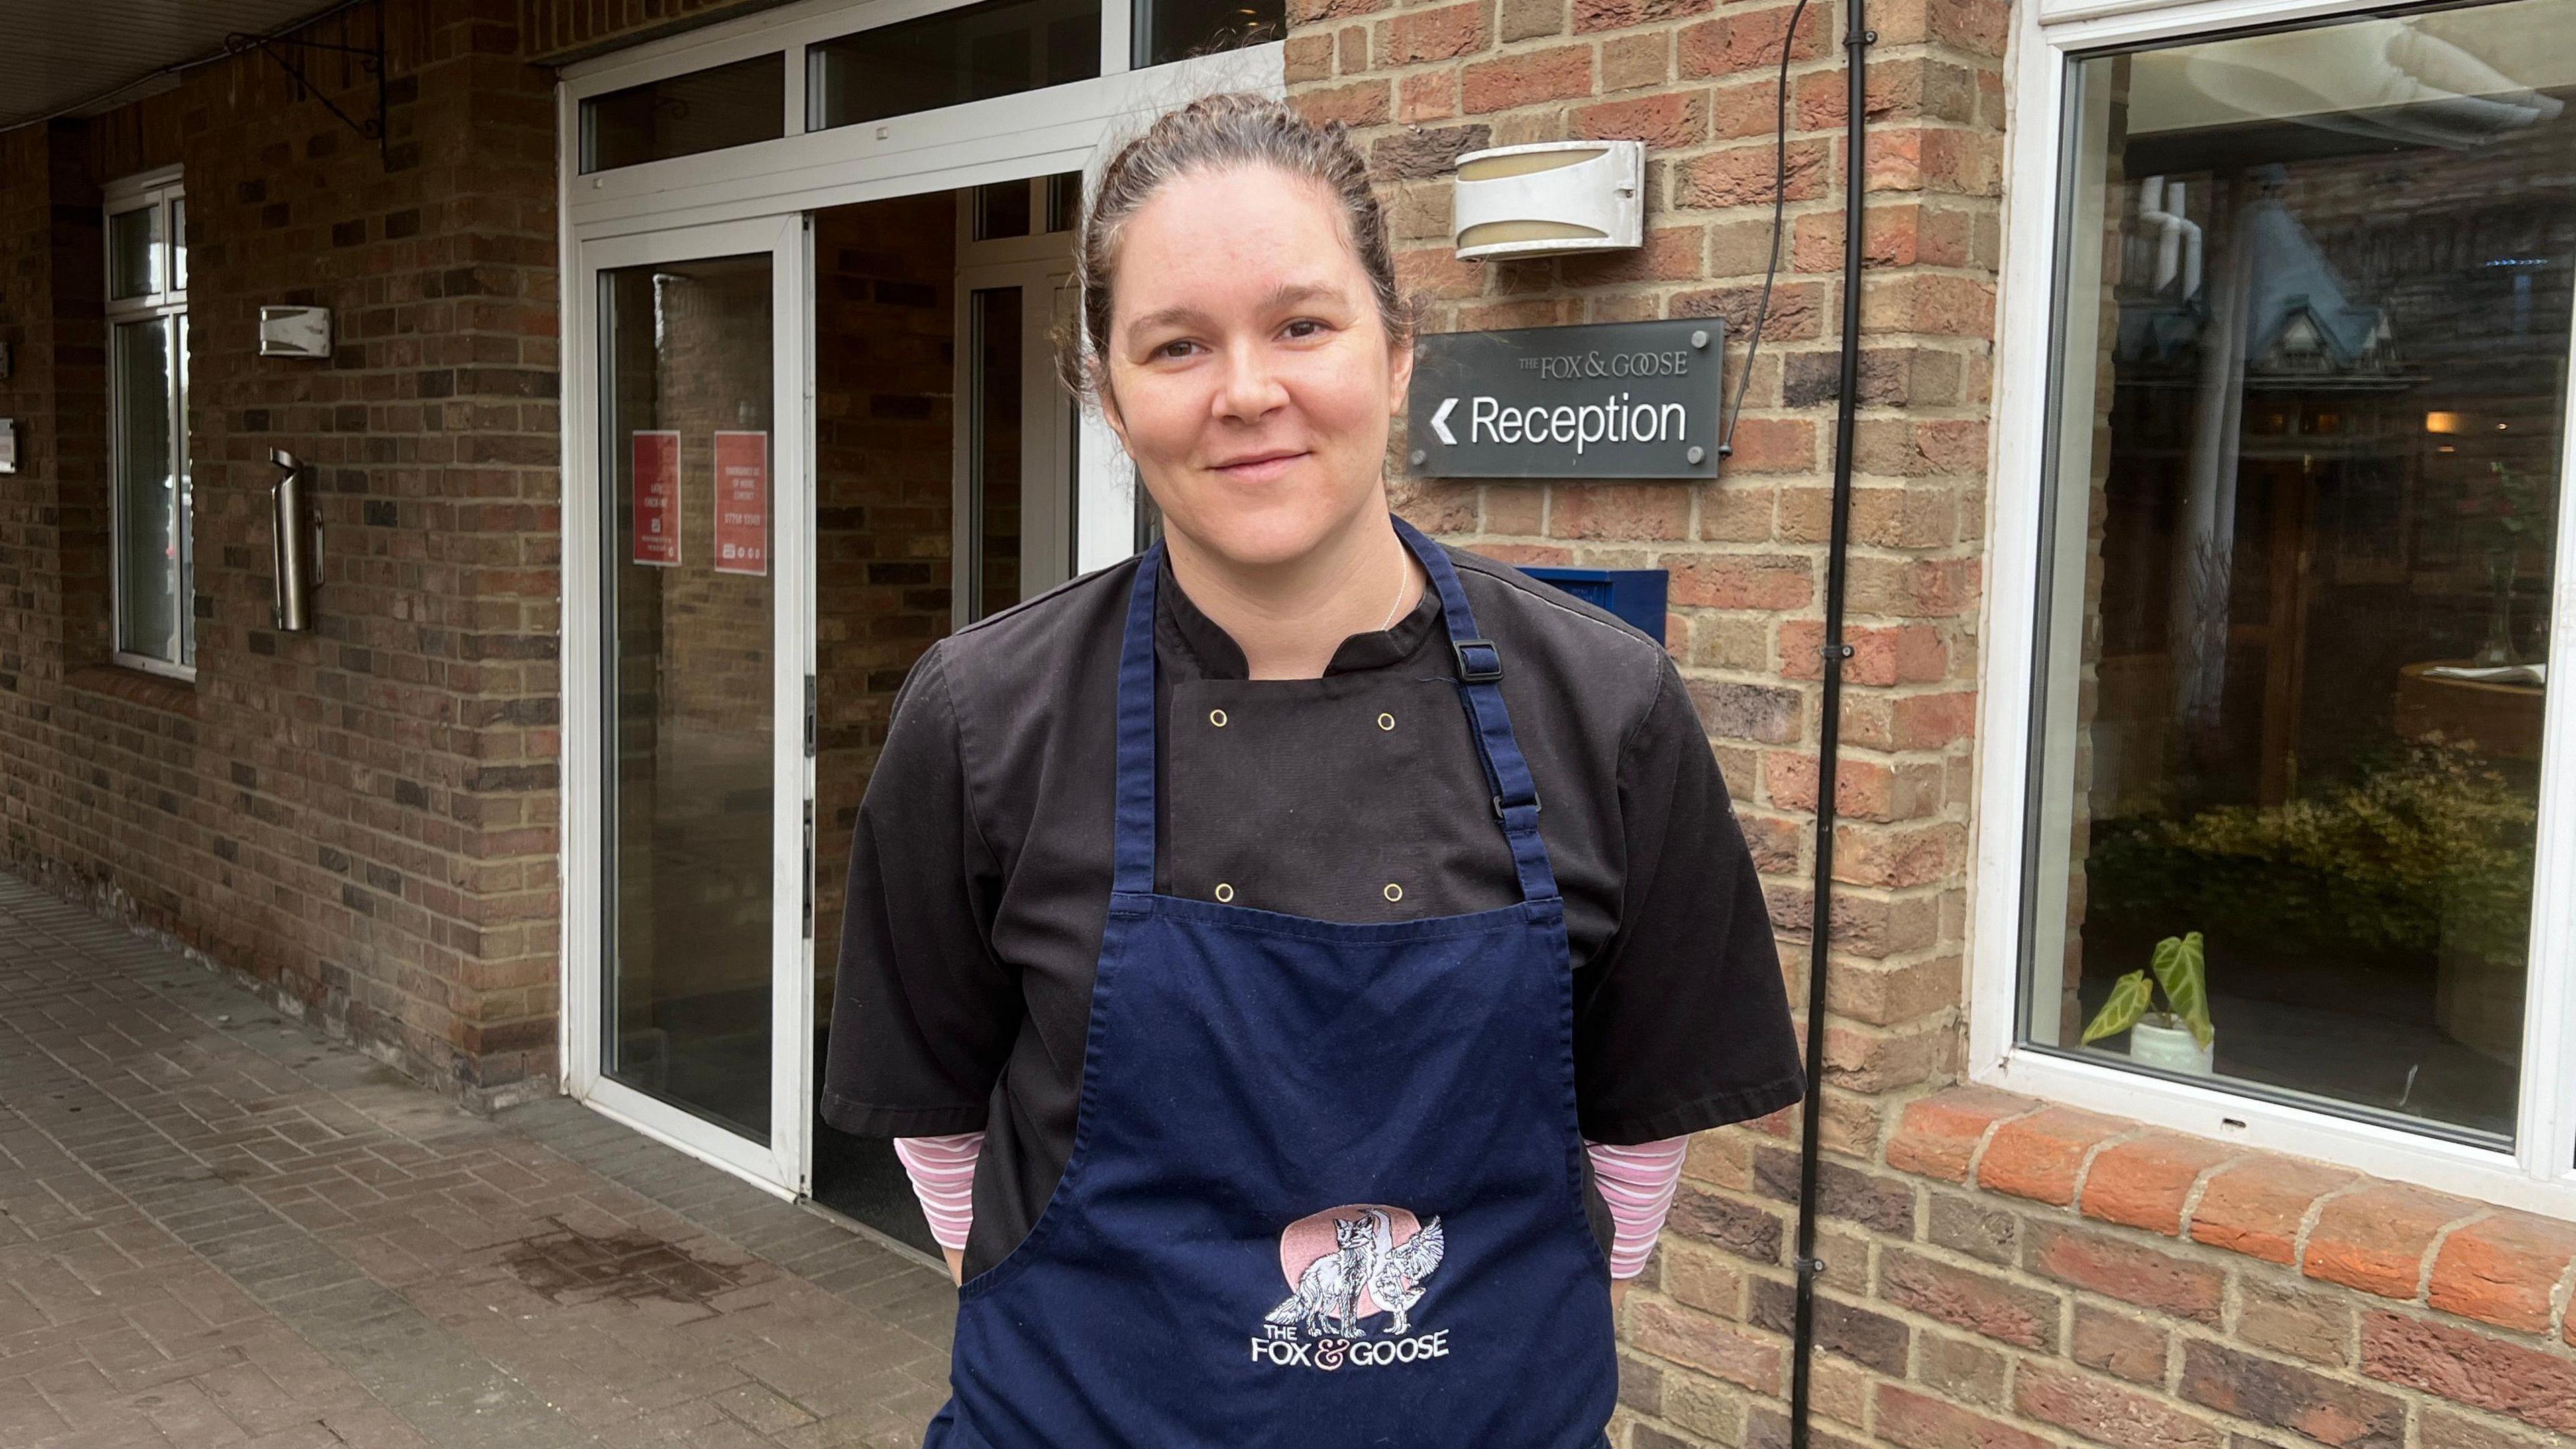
{"x": 1173, "y": 348}
{"x": 1305, "y": 327}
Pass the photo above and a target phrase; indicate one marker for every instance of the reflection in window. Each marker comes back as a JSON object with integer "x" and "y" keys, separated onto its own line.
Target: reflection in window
{"x": 1169, "y": 30}
{"x": 705, "y": 110}
{"x": 2295, "y": 588}
{"x": 951, "y": 57}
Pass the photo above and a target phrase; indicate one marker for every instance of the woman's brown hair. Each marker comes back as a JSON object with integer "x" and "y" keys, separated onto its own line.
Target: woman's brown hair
{"x": 1211, "y": 133}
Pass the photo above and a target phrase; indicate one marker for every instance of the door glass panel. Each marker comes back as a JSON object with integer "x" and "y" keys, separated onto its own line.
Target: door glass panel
{"x": 686, "y": 999}
{"x": 705, "y": 110}
{"x": 2312, "y": 360}
{"x": 973, "y": 53}
{"x": 147, "y": 487}
{"x": 994, "y": 448}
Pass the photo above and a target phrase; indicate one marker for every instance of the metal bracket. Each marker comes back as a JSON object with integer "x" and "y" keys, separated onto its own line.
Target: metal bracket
{"x": 371, "y": 61}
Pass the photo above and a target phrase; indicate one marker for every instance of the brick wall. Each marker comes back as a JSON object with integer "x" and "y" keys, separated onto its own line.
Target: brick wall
{"x": 361, "y": 820}
{"x": 2001, "y": 1275}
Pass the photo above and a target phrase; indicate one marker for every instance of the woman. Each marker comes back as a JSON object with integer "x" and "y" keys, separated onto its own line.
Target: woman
{"x": 1264, "y": 926}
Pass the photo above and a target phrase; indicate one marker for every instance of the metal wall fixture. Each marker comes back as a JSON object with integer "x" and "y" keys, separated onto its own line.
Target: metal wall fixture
{"x": 1551, "y": 199}
{"x": 295, "y": 332}
{"x": 295, "y": 541}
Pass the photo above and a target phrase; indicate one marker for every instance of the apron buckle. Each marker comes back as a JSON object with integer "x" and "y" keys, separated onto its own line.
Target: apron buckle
{"x": 1498, "y": 803}
{"x": 1485, "y": 673}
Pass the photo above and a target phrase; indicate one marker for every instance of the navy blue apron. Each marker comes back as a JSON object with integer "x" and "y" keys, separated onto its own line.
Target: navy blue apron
{"x": 1326, "y": 1181}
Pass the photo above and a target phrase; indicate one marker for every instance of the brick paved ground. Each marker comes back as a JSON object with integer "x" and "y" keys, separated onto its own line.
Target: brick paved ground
{"x": 218, "y": 1229}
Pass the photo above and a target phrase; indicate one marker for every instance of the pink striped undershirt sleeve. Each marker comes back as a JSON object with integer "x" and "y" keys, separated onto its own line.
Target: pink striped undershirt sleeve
{"x": 942, "y": 1170}
{"x": 1636, "y": 1184}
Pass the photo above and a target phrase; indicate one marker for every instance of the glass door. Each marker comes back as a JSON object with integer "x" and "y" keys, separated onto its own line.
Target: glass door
{"x": 699, "y": 754}
{"x": 1016, "y": 499}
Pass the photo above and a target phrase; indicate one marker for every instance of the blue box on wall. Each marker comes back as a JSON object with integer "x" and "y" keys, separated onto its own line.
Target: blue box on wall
{"x": 1636, "y": 595}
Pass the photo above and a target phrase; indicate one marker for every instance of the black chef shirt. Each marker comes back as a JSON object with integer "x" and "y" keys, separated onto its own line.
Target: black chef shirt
{"x": 980, "y": 868}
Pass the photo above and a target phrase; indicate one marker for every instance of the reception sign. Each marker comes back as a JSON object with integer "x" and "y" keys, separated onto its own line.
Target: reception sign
{"x": 657, "y": 497}
{"x": 742, "y": 503}
{"x": 1603, "y": 400}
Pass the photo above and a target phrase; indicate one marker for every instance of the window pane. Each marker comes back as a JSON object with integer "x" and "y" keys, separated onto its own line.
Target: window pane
{"x": 995, "y": 447}
{"x": 1064, "y": 200}
{"x": 998, "y": 48}
{"x": 1001, "y": 210}
{"x": 134, "y": 252}
{"x": 705, "y": 110}
{"x": 186, "y": 602}
{"x": 1172, "y": 30}
{"x": 178, "y": 244}
{"x": 2297, "y": 578}
{"x": 147, "y": 492}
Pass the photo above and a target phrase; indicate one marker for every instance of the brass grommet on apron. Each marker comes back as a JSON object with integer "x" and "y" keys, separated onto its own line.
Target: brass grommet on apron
{"x": 1217, "y": 717}
{"x": 1386, "y": 721}
{"x": 1224, "y": 892}
{"x": 1394, "y": 892}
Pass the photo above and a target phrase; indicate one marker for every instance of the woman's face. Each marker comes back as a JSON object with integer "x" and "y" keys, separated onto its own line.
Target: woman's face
{"x": 1249, "y": 373}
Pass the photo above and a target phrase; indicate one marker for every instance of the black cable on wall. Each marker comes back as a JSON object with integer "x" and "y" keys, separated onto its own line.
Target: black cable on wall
{"x": 1856, "y": 41}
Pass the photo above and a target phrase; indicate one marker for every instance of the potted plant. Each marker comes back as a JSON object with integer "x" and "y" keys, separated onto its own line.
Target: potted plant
{"x": 2179, "y": 1038}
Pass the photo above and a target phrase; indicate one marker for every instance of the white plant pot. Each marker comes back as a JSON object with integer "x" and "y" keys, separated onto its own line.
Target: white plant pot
{"x": 2171, "y": 1048}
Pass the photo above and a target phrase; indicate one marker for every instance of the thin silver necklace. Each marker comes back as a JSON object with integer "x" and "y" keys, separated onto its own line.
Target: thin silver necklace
{"x": 1403, "y": 576}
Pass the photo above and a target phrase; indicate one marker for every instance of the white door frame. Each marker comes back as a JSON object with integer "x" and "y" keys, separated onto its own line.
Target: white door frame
{"x": 757, "y": 198}
{"x": 781, "y": 1165}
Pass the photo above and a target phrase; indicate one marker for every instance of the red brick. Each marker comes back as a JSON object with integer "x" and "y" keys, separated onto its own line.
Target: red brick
{"x": 1750, "y": 175}
{"x": 1420, "y": 35}
{"x": 2376, "y": 1239}
{"x": 1362, "y": 103}
{"x": 1594, "y": 15}
{"x": 1938, "y": 1136}
{"x": 1911, "y": 1420}
{"x": 2502, "y": 1268}
{"x": 1750, "y": 40}
{"x": 2286, "y": 1396}
{"x": 1966, "y": 1298}
{"x": 1555, "y": 74}
{"x": 1705, "y": 1344}
{"x": 2130, "y": 1348}
{"x": 1903, "y": 654}
{"x": 1740, "y": 580}
{"x": 2131, "y": 1272}
{"x": 2108, "y": 1415}
{"x": 1674, "y": 119}
{"x": 2471, "y": 1368}
{"x": 2039, "y": 1156}
{"x": 2143, "y": 1182}
{"x": 2256, "y": 1207}
{"x": 1621, "y": 511}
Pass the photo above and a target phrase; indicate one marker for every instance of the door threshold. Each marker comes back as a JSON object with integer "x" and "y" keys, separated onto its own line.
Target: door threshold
{"x": 878, "y": 1236}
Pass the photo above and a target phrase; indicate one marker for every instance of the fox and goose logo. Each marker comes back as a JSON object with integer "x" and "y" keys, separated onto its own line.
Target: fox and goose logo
{"x": 1346, "y": 1265}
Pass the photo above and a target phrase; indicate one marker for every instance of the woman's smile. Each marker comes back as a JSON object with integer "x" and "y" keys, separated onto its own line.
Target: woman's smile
{"x": 1261, "y": 466}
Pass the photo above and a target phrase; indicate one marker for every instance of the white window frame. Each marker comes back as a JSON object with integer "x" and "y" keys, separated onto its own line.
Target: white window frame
{"x": 161, "y": 191}
{"x": 2539, "y": 1173}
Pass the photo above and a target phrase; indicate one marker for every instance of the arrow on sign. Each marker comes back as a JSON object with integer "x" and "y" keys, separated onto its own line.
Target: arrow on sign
{"x": 1440, "y": 421}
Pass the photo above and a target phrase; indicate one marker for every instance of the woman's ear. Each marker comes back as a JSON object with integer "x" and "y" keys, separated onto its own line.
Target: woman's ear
{"x": 1099, "y": 370}
{"x": 1399, "y": 372}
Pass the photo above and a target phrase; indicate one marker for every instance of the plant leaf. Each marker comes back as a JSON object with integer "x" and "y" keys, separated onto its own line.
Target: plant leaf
{"x": 2182, "y": 969}
{"x": 2127, "y": 1002}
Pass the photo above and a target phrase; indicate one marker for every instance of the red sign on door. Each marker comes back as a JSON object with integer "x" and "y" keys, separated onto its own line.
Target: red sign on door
{"x": 742, "y": 503}
{"x": 657, "y": 497}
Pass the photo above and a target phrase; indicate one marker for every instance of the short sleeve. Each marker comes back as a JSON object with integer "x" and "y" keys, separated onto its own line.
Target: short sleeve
{"x": 923, "y": 1015}
{"x": 1681, "y": 1021}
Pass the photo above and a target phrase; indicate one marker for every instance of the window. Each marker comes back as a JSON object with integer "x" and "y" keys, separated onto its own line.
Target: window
{"x": 951, "y": 57}
{"x": 2299, "y": 453}
{"x": 703, "y": 110}
{"x": 147, "y": 324}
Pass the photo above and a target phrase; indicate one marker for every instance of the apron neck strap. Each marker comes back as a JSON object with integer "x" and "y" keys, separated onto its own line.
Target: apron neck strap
{"x": 1480, "y": 671}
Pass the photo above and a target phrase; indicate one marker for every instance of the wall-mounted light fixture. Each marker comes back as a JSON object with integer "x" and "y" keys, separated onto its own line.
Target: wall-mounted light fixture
{"x": 295, "y": 332}
{"x": 1552, "y": 199}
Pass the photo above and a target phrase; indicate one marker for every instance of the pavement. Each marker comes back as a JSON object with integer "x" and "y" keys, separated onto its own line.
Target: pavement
{"x": 219, "y": 1228}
